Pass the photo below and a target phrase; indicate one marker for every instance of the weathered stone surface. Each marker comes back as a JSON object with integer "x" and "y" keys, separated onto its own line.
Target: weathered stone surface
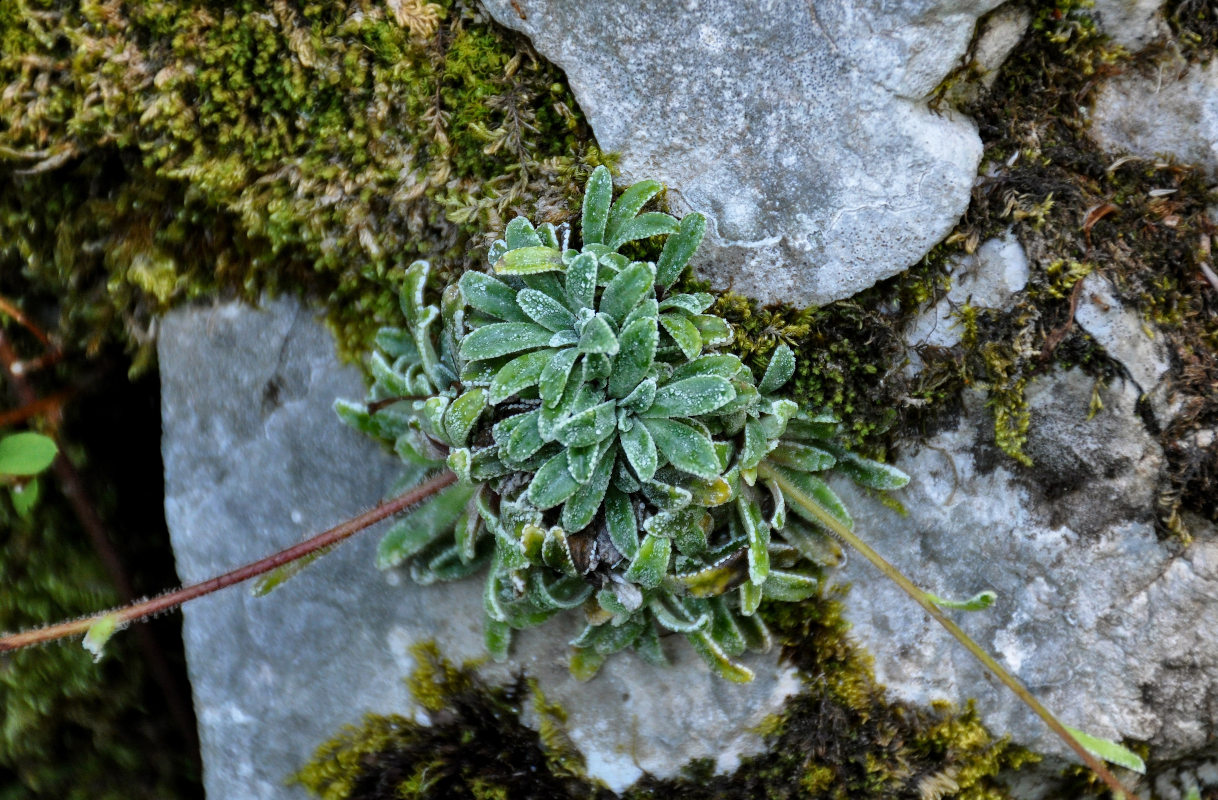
{"x": 990, "y": 278}
{"x": 255, "y": 461}
{"x": 1171, "y": 110}
{"x": 1095, "y": 614}
{"x": 801, "y": 130}
{"x": 997, "y": 36}
{"x": 1133, "y": 24}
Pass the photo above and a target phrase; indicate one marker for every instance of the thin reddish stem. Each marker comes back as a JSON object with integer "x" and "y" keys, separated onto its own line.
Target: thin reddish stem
{"x": 165, "y": 602}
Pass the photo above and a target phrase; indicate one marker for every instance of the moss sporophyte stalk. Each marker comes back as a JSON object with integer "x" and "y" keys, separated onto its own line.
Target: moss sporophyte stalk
{"x": 589, "y": 446}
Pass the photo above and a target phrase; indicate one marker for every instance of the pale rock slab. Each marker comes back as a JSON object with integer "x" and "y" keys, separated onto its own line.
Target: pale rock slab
{"x": 1171, "y": 110}
{"x": 1095, "y": 614}
{"x": 1133, "y": 24}
{"x": 990, "y": 278}
{"x": 256, "y": 460}
{"x": 800, "y": 129}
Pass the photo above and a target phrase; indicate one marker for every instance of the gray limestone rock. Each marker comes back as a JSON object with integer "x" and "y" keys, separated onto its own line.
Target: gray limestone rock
{"x": 1133, "y": 24}
{"x": 990, "y": 278}
{"x": 255, "y": 460}
{"x": 1171, "y": 110}
{"x": 800, "y": 129}
{"x": 1097, "y": 615}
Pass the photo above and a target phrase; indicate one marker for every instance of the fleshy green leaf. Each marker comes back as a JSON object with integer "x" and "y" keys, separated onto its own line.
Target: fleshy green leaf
{"x": 809, "y": 489}
{"x": 640, "y": 399}
{"x": 715, "y": 331}
{"x": 684, "y": 333}
{"x": 625, "y": 291}
{"x": 552, "y": 483}
{"x": 529, "y": 260}
{"x": 651, "y": 564}
{"x": 520, "y": 233}
{"x": 99, "y": 633}
{"x": 431, "y": 520}
{"x": 719, "y": 578}
{"x": 680, "y": 248}
{"x": 25, "y": 496}
{"x": 598, "y": 193}
{"x": 779, "y": 371}
{"x": 581, "y": 281}
{"x": 640, "y": 450}
{"x": 644, "y": 226}
{"x": 719, "y": 662}
{"x": 758, "y": 534}
{"x": 26, "y": 453}
{"x": 582, "y": 506}
{"x": 690, "y": 397}
{"x": 490, "y": 296}
{"x": 724, "y": 365}
{"x": 629, "y": 204}
{"x": 790, "y": 587}
{"x": 693, "y": 303}
{"x": 545, "y": 310}
{"x": 525, "y": 439}
{"x": 684, "y": 447}
{"x": 555, "y": 375}
{"x": 519, "y": 374}
{"x": 463, "y": 414}
{"x": 585, "y": 661}
{"x": 588, "y": 427}
{"x": 503, "y": 338}
{"x": 978, "y": 602}
{"x": 805, "y": 457}
{"x": 598, "y": 337}
{"x": 866, "y": 472}
{"x": 619, "y": 519}
{"x": 1109, "y": 750}
{"x": 634, "y": 359}
{"x": 498, "y": 638}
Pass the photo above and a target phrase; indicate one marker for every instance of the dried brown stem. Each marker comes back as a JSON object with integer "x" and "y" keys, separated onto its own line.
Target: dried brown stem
{"x": 165, "y": 602}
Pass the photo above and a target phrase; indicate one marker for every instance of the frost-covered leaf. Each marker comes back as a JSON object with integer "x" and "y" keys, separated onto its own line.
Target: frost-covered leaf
{"x": 620, "y": 521}
{"x": 805, "y": 457}
{"x": 719, "y": 578}
{"x": 864, "y": 471}
{"x": 717, "y": 659}
{"x": 582, "y": 506}
{"x": 757, "y": 531}
{"x": 525, "y": 439}
{"x": 644, "y": 226}
{"x": 498, "y": 639}
{"x": 552, "y": 484}
{"x": 724, "y": 365}
{"x": 679, "y": 249}
{"x": 518, "y": 374}
{"x": 684, "y": 333}
{"x": 555, "y": 374}
{"x": 813, "y": 544}
{"x": 626, "y": 290}
{"x": 639, "y": 400}
{"x": 691, "y": 397}
{"x": 750, "y": 598}
{"x": 790, "y": 587}
{"x": 463, "y": 414}
{"x": 693, "y": 303}
{"x": 650, "y": 565}
{"x": 491, "y": 296}
{"x": 432, "y": 519}
{"x": 779, "y": 371}
{"x": 585, "y": 661}
{"x": 629, "y": 204}
{"x": 520, "y": 233}
{"x": 803, "y": 489}
{"x": 598, "y": 193}
{"x": 587, "y": 427}
{"x": 529, "y": 260}
{"x": 637, "y": 352}
{"x": 545, "y": 310}
{"x": 598, "y": 337}
{"x": 503, "y": 338}
{"x": 640, "y": 450}
{"x": 581, "y": 281}
{"x": 647, "y": 309}
{"x": 715, "y": 331}
{"x": 684, "y": 447}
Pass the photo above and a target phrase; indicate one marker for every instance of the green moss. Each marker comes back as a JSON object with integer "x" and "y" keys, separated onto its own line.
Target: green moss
{"x": 155, "y": 152}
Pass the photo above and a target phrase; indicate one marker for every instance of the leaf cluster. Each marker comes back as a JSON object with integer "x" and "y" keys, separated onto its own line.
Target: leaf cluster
{"x": 613, "y": 458}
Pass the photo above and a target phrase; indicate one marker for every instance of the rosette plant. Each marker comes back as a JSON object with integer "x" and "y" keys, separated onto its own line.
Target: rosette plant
{"x": 578, "y": 433}
{"x": 611, "y": 458}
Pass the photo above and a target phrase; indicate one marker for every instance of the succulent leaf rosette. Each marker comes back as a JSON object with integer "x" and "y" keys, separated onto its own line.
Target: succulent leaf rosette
{"x": 615, "y": 459}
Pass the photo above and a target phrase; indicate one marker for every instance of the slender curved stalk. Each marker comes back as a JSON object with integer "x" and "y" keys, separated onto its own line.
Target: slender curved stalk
{"x": 155, "y": 605}
{"x": 920, "y": 597}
